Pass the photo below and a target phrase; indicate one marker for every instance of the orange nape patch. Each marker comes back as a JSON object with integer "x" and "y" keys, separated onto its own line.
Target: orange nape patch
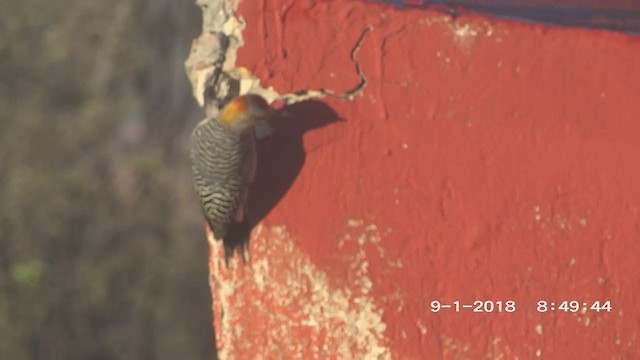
{"x": 234, "y": 109}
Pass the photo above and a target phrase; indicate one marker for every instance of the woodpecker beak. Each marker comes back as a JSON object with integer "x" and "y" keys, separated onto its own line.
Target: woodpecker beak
{"x": 263, "y": 125}
{"x": 270, "y": 114}
{"x": 275, "y": 114}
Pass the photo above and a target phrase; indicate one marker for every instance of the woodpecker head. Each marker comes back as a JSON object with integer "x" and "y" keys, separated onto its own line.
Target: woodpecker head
{"x": 246, "y": 111}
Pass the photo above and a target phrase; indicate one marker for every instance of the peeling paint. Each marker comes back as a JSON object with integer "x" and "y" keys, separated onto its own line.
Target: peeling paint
{"x": 464, "y": 30}
{"x": 212, "y": 64}
{"x": 297, "y": 298}
{"x": 453, "y": 349}
{"x": 211, "y": 61}
{"x": 346, "y": 95}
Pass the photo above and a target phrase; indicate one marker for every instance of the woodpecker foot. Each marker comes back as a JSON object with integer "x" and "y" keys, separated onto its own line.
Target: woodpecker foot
{"x": 244, "y": 249}
{"x": 210, "y": 238}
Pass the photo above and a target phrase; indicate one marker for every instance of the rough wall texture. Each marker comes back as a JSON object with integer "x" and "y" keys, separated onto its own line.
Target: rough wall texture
{"x": 483, "y": 160}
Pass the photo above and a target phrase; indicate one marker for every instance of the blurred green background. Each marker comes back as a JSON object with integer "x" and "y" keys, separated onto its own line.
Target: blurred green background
{"x": 102, "y": 248}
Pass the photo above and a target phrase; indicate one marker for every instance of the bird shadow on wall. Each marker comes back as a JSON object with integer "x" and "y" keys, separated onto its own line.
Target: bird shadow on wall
{"x": 281, "y": 158}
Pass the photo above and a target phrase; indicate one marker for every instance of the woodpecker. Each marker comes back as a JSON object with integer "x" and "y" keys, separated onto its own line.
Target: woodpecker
{"x": 223, "y": 164}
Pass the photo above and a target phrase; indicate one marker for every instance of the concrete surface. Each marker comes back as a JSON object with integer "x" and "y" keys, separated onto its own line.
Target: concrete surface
{"x": 483, "y": 160}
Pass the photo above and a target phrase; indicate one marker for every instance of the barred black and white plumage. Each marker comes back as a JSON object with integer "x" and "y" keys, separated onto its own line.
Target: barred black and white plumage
{"x": 223, "y": 163}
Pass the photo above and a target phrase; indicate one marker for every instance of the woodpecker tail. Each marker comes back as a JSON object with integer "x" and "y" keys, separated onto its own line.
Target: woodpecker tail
{"x": 238, "y": 235}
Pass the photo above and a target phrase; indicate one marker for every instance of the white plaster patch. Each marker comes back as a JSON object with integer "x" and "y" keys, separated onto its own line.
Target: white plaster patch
{"x": 539, "y": 329}
{"x": 421, "y": 327}
{"x": 500, "y": 350}
{"x": 465, "y": 34}
{"x": 557, "y": 221}
{"x": 283, "y": 288}
{"x": 464, "y": 30}
{"x": 451, "y": 348}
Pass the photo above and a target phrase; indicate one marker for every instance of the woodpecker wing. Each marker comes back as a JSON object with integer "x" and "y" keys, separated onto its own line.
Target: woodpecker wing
{"x": 223, "y": 166}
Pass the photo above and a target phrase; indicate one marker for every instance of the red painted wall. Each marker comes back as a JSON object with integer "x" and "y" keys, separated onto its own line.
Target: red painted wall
{"x": 484, "y": 160}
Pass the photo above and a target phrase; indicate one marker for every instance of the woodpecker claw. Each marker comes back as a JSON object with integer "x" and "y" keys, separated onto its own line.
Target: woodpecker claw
{"x": 244, "y": 249}
{"x": 228, "y": 255}
{"x": 209, "y": 233}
